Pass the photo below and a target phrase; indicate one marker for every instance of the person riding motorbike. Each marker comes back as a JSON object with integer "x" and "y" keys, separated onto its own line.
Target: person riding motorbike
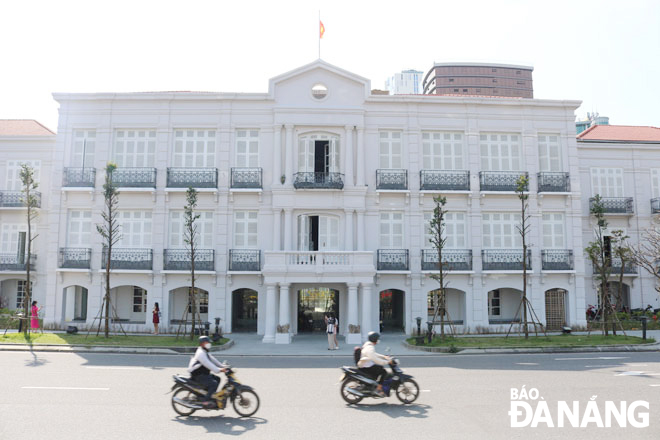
{"x": 371, "y": 363}
{"x": 200, "y": 367}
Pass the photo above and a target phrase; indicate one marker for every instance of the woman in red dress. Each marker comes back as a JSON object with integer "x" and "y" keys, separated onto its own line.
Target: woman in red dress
{"x": 34, "y": 321}
{"x": 156, "y": 318}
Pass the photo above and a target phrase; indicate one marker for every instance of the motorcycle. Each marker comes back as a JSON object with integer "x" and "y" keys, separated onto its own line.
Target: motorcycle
{"x": 356, "y": 385}
{"x": 189, "y": 396}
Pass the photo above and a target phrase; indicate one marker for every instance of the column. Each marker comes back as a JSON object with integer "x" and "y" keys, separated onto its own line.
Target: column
{"x": 277, "y": 155}
{"x": 277, "y": 229}
{"x": 348, "y": 240}
{"x": 348, "y": 158}
{"x": 352, "y": 338}
{"x": 285, "y": 318}
{"x": 360, "y": 231}
{"x": 365, "y": 325}
{"x": 271, "y": 314}
{"x": 288, "y": 230}
{"x": 360, "y": 157}
{"x": 288, "y": 155}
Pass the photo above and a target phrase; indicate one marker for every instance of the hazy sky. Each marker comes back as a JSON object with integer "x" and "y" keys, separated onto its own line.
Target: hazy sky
{"x": 605, "y": 53}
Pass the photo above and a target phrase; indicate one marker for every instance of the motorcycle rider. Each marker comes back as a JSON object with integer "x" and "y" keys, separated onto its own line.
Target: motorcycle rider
{"x": 200, "y": 367}
{"x": 371, "y": 363}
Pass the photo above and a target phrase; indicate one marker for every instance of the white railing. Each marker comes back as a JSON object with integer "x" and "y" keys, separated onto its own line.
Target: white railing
{"x": 323, "y": 261}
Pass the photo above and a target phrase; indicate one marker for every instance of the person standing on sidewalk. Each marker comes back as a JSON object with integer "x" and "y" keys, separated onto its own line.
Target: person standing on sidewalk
{"x": 34, "y": 321}
{"x": 331, "y": 328}
{"x": 156, "y": 318}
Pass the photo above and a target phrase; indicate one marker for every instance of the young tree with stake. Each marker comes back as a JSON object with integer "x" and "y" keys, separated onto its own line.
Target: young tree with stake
{"x": 30, "y": 198}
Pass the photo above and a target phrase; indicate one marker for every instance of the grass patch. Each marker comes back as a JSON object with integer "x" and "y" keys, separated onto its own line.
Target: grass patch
{"x": 533, "y": 341}
{"x": 113, "y": 341}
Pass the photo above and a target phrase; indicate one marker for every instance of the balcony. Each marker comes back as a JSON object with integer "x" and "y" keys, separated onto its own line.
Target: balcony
{"x": 453, "y": 259}
{"x": 318, "y": 181}
{"x": 392, "y": 180}
{"x": 615, "y": 205}
{"x": 129, "y": 259}
{"x": 630, "y": 268}
{"x": 75, "y": 258}
{"x": 392, "y": 259}
{"x": 655, "y": 206}
{"x": 79, "y": 177}
{"x": 504, "y": 259}
{"x": 500, "y": 180}
{"x": 554, "y": 182}
{"x": 557, "y": 259}
{"x": 134, "y": 177}
{"x": 246, "y": 178}
{"x": 15, "y": 262}
{"x": 444, "y": 180}
{"x": 192, "y": 177}
{"x": 319, "y": 266}
{"x": 179, "y": 259}
{"x": 244, "y": 260}
{"x": 16, "y": 199}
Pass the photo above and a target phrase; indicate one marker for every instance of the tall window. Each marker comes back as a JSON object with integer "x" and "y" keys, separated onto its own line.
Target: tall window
{"x": 391, "y": 230}
{"x": 135, "y": 229}
{"x": 549, "y": 153}
{"x": 194, "y": 148}
{"x": 80, "y": 227}
{"x": 14, "y": 173}
{"x": 442, "y": 151}
{"x": 12, "y": 238}
{"x": 139, "y": 300}
{"x": 655, "y": 182}
{"x": 500, "y": 231}
{"x": 607, "y": 182}
{"x": 553, "y": 231}
{"x": 134, "y": 148}
{"x": 390, "y": 150}
{"x": 318, "y": 153}
{"x": 204, "y": 236}
{"x": 454, "y": 232}
{"x": 20, "y": 293}
{"x": 84, "y": 145}
{"x": 494, "y": 303}
{"x": 247, "y": 148}
{"x": 245, "y": 229}
{"x": 500, "y": 152}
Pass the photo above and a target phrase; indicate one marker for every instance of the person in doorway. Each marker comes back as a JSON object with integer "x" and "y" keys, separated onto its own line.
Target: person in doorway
{"x": 372, "y": 363}
{"x": 156, "y": 317}
{"x": 331, "y": 328}
{"x": 34, "y": 321}
{"x": 336, "y": 331}
{"x": 200, "y": 367}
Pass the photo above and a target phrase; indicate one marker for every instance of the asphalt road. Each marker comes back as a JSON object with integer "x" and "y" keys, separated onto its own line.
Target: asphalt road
{"x": 115, "y": 396}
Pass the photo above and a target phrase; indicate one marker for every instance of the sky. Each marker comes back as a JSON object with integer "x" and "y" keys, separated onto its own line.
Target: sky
{"x": 604, "y": 53}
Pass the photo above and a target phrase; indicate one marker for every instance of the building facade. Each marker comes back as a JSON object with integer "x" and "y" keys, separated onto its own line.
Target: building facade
{"x": 408, "y": 82}
{"x": 479, "y": 79}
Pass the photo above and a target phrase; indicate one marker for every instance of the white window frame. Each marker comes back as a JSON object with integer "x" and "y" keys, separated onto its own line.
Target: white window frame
{"x": 499, "y": 230}
{"x": 83, "y": 141}
{"x": 655, "y": 182}
{"x": 135, "y": 227}
{"x": 139, "y": 300}
{"x": 391, "y": 230}
{"x": 455, "y": 230}
{"x": 443, "y": 150}
{"x": 247, "y": 148}
{"x": 14, "y": 182}
{"x": 549, "y": 152}
{"x": 307, "y": 152}
{"x": 500, "y": 152}
{"x": 494, "y": 295}
{"x": 204, "y": 236}
{"x": 246, "y": 229}
{"x": 390, "y": 149}
{"x": 79, "y": 229}
{"x": 607, "y": 182}
{"x": 20, "y": 293}
{"x": 194, "y": 148}
{"x": 554, "y": 230}
{"x": 134, "y": 148}
{"x": 10, "y": 237}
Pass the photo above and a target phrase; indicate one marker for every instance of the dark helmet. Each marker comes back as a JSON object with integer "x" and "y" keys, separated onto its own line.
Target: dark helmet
{"x": 203, "y": 339}
{"x": 373, "y": 337}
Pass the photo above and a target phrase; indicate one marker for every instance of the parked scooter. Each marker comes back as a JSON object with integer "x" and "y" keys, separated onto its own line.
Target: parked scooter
{"x": 356, "y": 385}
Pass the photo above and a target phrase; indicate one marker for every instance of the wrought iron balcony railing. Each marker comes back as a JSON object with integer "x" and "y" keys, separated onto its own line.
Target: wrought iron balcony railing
{"x": 318, "y": 181}
{"x": 392, "y": 179}
{"x": 129, "y": 259}
{"x": 134, "y": 177}
{"x": 79, "y": 177}
{"x": 192, "y": 177}
{"x": 75, "y": 258}
{"x": 245, "y": 260}
{"x": 504, "y": 259}
{"x": 16, "y": 199}
{"x": 453, "y": 259}
{"x": 500, "y": 180}
{"x": 392, "y": 259}
{"x": 630, "y": 268}
{"x": 556, "y": 259}
{"x": 444, "y": 180}
{"x": 554, "y": 182}
{"x": 16, "y": 262}
{"x": 179, "y": 259}
{"x": 655, "y": 205}
{"x": 247, "y": 178}
{"x": 615, "y": 205}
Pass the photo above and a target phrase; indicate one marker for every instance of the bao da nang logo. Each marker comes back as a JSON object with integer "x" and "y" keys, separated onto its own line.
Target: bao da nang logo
{"x": 529, "y": 409}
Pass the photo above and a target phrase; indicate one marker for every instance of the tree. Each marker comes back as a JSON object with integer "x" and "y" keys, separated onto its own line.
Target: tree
{"x": 190, "y": 238}
{"x": 31, "y": 202}
{"x": 111, "y": 234}
{"x": 647, "y": 254}
{"x": 623, "y": 252}
{"x": 438, "y": 240}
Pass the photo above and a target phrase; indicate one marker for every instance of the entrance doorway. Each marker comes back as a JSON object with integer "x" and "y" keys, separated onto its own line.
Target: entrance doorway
{"x": 555, "y": 309}
{"x": 313, "y": 305}
{"x": 244, "y": 310}
{"x": 391, "y": 310}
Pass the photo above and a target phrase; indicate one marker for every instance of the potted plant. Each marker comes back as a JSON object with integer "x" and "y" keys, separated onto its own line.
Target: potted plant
{"x": 283, "y": 336}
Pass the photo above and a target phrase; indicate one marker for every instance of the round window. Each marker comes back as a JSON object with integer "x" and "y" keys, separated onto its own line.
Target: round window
{"x": 319, "y": 91}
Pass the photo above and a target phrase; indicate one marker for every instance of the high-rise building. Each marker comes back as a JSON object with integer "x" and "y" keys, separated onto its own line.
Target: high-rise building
{"x": 408, "y": 82}
{"x": 503, "y": 80}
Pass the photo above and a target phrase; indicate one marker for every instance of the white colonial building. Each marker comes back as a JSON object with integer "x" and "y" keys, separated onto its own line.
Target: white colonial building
{"x": 316, "y": 197}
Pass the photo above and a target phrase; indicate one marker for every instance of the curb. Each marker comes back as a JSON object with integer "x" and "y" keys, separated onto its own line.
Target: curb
{"x": 649, "y": 347}
{"x": 106, "y": 349}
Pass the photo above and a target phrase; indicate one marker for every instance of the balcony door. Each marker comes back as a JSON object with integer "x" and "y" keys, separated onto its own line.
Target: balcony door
{"x": 318, "y": 233}
{"x": 318, "y": 153}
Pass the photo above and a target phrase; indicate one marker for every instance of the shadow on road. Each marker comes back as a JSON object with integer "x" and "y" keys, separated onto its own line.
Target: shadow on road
{"x": 223, "y": 425}
{"x": 36, "y": 361}
{"x": 394, "y": 410}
